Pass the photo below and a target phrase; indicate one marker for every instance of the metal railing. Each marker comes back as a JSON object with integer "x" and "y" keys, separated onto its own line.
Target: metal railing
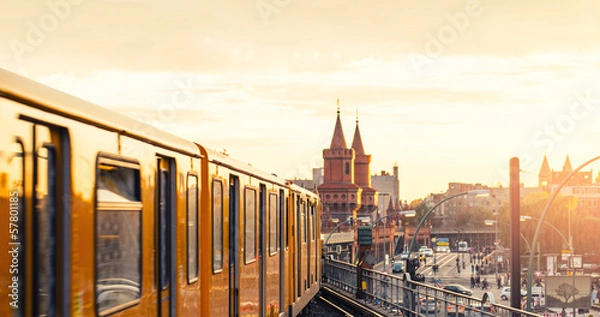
{"x": 401, "y": 296}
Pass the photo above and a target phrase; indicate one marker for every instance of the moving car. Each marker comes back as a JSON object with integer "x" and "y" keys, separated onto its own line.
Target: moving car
{"x": 479, "y": 311}
{"x": 505, "y": 294}
{"x": 398, "y": 267}
{"x": 427, "y": 252}
{"x": 457, "y": 288}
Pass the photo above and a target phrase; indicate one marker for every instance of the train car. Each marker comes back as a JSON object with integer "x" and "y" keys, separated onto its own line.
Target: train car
{"x": 250, "y": 232}
{"x": 305, "y": 214}
{"x": 107, "y": 216}
{"x": 101, "y": 206}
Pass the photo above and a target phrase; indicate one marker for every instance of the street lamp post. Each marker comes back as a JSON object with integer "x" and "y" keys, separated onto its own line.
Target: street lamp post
{"x": 480, "y": 192}
{"x": 412, "y": 269}
{"x": 497, "y": 244}
{"x": 408, "y": 213}
{"x": 350, "y": 219}
{"x": 491, "y": 222}
{"x": 496, "y": 222}
{"x": 565, "y": 240}
{"x": 537, "y": 229}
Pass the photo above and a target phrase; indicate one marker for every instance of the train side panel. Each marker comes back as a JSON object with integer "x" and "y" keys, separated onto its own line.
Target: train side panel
{"x": 88, "y": 217}
{"x": 110, "y": 217}
{"x": 305, "y": 275}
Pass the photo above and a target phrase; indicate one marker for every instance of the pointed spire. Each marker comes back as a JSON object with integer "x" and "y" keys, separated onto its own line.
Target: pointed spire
{"x": 357, "y": 141}
{"x": 545, "y": 170}
{"x": 567, "y": 166}
{"x": 338, "y": 141}
{"x": 391, "y": 205}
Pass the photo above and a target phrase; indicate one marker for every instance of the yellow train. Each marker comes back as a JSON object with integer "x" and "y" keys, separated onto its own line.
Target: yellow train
{"x": 102, "y": 215}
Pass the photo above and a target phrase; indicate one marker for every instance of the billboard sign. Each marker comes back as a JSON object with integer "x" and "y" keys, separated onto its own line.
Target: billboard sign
{"x": 550, "y": 264}
{"x": 443, "y": 242}
{"x": 568, "y": 291}
{"x": 365, "y": 235}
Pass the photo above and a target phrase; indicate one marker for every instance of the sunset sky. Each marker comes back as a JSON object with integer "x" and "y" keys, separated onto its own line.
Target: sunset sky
{"x": 449, "y": 90}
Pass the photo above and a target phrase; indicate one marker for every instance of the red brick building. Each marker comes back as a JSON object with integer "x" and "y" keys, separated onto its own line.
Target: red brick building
{"x": 549, "y": 179}
{"x": 346, "y": 190}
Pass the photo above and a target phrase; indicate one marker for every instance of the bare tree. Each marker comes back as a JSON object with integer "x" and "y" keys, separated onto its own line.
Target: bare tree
{"x": 567, "y": 291}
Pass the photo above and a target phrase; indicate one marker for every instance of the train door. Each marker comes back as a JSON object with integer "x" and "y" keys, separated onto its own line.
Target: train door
{"x": 262, "y": 232}
{"x": 282, "y": 249}
{"x": 299, "y": 241}
{"x": 309, "y": 245}
{"x": 234, "y": 212}
{"x": 165, "y": 227}
{"x": 42, "y": 178}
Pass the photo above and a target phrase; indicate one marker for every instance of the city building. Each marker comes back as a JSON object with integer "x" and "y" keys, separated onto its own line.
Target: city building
{"x": 388, "y": 183}
{"x": 580, "y": 185}
{"x": 346, "y": 189}
{"x": 588, "y": 198}
{"x": 549, "y": 179}
{"x": 448, "y": 220}
{"x": 310, "y": 184}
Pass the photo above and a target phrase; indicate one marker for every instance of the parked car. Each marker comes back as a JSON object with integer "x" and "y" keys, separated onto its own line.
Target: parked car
{"x": 429, "y": 305}
{"x": 457, "y": 288}
{"x": 478, "y": 311}
{"x": 397, "y": 307}
{"x": 455, "y": 307}
{"x": 505, "y": 294}
{"x": 398, "y": 267}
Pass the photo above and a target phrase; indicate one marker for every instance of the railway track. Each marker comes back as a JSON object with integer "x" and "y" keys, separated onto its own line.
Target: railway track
{"x": 342, "y": 305}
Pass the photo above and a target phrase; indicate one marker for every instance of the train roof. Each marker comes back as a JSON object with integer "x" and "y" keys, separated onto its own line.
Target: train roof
{"x": 34, "y": 94}
{"x": 224, "y": 160}
{"x": 303, "y": 190}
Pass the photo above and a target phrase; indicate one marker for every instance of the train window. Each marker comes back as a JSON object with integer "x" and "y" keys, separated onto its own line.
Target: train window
{"x": 273, "y": 221}
{"x": 118, "y": 235}
{"x": 309, "y": 221}
{"x": 45, "y": 234}
{"x": 281, "y": 217}
{"x": 287, "y": 224}
{"x": 163, "y": 233}
{"x": 192, "y": 227}
{"x": 314, "y": 222}
{"x": 250, "y": 225}
{"x": 303, "y": 220}
{"x": 217, "y": 203}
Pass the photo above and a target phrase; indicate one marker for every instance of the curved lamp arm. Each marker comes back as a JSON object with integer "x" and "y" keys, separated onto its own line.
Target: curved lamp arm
{"x": 408, "y": 213}
{"x": 471, "y": 192}
{"x": 551, "y": 226}
{"x": 337, "y": 227}
{"x": 506, "y": 224}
